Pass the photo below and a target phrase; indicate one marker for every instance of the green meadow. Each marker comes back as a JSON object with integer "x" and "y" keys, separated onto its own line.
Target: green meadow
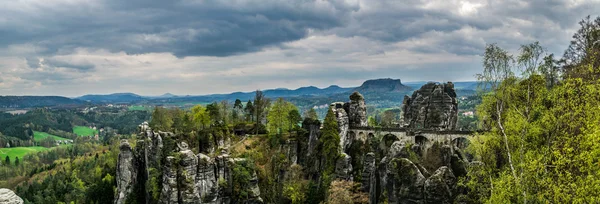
{"x": 84, "y": 131}
{"x": 138, "y": 108}
{"x": 38, "y": 136}
{"x": 13, "y": 152}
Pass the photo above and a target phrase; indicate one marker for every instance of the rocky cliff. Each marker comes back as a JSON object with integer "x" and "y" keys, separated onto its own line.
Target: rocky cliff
{"x": 9, "y": 197}
{"x": 397, "y": 171}
{"x": 433, "y": 106}
{"x": 180, "y": 175}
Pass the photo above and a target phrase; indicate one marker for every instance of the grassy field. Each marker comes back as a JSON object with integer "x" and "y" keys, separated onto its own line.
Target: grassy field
{"x": 138, "y": 108}
{"x": 18, "y": 152}
{"x": 84, "y": 131}
{"x": 38, "y": 136}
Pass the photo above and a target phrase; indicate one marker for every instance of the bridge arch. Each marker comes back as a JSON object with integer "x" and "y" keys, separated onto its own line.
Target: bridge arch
{"x": 389, "y": 139}
{"x": 362, "y": 136}
{"x": 461, "y": 142}
{"x": 421, "y": 140}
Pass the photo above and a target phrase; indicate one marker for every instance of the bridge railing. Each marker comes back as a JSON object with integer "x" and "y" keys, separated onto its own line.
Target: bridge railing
{"x": 413, "y": 131}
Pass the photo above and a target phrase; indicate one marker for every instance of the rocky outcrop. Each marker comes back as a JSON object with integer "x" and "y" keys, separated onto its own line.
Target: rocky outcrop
{"x": 186, "y": 177}
{"x": 343, "y": 167}
{"x": 313, "y": 128}
{"x": 405, "y": 184}
{"x": 9, "y": 197}
{"x": 368, "y": 171}
{"x": 126, "y": 172}
{"x": 403, "y": 180}
{"x": 206, "y": 181}
{"x": 434, "y": 107}
{"x": 291, "y": 151}
{"x": 339, "y": 109}
{"x": 440, "y": 187}
{"x": 357, "y": 110}
{"x": 169, "y": 193}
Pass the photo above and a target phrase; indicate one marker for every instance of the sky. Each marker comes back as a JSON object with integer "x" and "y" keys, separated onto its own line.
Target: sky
{"x": 77, "y": 47}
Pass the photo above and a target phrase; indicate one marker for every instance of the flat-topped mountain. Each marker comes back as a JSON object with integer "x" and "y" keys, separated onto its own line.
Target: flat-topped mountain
{"x": 383, "y": 85}
{"x": 115, "y": 97}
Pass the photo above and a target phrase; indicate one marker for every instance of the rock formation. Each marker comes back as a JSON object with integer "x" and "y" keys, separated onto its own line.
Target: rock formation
{"x": 9, "y": 197}
{"x": 343, "y": 167}
{"x": 186, "y": 173}
{"x": 126, "y": 172}
{"x": 206, "y": 181}
{"x": 403, "y": 180}
{"x": 186, "y": 177}
{"x": 440, "y": 187}
{"x": 434, "y": 107}
{"x": 350, "y": 114}
{"x": 339, "y": 109}
{"x": 368, "y": 171}
{"x": 169, "y": 193}
{"x": 357, "y": 110}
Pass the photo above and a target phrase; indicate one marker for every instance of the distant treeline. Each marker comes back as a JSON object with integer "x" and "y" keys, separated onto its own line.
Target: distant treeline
{"x": 60, "y": 122}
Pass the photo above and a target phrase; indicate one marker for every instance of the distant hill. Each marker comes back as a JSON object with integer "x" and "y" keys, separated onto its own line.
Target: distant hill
{"x": 167, "y": 98}
{"x": 377, "y": 89}
{"x": 166, "y": 95}
{"x": 383, "y": 86}
{"x": 112, "y": 98}
{"x": 37, "y": 101}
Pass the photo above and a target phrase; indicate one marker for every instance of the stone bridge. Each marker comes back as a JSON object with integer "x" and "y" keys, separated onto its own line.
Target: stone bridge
{"x": 421, "y": 137}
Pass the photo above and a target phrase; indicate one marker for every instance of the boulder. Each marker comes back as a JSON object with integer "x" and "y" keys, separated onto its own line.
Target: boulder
{"x": 440, "y": 187}
{"x": 405, "y": 183}
{"x": 9, "y": 197}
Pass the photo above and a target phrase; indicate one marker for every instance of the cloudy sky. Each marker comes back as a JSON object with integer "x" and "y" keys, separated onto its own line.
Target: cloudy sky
{"x": 76, "y": 47}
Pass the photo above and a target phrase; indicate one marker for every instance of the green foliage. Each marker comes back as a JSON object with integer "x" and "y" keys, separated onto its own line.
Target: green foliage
{"x": 389, "y": 118}
{"x": 330, "y": 142}
{"x": 311, "y": 113}
{"x": 161, "y": 120}
{"x": 295, "y": 187}
{"x": 278, "y": 117}
{"x": 242, "y": 173}
{"x": 542, "y": 142}
{"x": 249, "y": 111}
{"x": 82, "y": 179}
{"x": 200, "y": 116}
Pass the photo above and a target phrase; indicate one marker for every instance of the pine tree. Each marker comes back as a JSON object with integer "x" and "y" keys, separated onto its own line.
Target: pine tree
{"x": 330, "y": 141}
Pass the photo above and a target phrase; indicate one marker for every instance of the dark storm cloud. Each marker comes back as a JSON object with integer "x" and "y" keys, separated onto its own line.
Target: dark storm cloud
{"x": 184, "y": 28}
{"x": 225, "y": 28}
{"x": 63, "y": 42}
{"x": 396, "y": 21}
{"x": 82, "y": 67}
